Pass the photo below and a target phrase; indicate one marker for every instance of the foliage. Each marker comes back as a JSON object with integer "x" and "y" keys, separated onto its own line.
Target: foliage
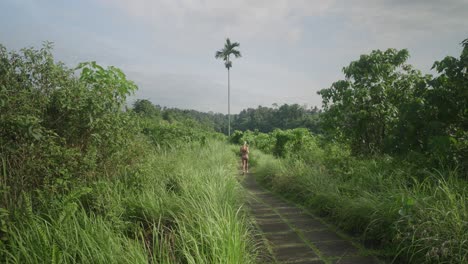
{"x": 56, "y": 126}
{"x": 179, "y": 206}
{"x": 281, "y": 143}
{"x": 446, "y": 106}
{"x": 390, "y": 164}
{"x": 364, "y": 107}
{"x": 382, "y": 200}
{"x": 263, "y": 119}
{"x": 172, "y": 127}
{"x": 386, "y": 106}
{"x": 266, "y": 119}
{"x": 145, "y": 108}
{"x": 84, "y": 179}
{"x": 228, "y": 50}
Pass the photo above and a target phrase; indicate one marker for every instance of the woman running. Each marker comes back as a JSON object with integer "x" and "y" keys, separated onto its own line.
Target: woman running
{"x": 244, "y": 151}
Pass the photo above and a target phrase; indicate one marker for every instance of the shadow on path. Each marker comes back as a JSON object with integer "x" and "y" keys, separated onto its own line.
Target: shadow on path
{"x": 296, "y": 236}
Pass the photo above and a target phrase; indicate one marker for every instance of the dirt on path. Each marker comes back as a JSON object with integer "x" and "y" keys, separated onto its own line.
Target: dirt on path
{"x": 296, "y": 236}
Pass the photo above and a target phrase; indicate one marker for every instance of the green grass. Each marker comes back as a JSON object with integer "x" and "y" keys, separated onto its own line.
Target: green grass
{"x": 408, "y": 219}
{"x": 179, "y": 206}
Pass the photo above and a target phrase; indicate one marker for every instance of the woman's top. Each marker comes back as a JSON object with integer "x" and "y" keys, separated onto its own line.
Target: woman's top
{"x": 244, "y": 152}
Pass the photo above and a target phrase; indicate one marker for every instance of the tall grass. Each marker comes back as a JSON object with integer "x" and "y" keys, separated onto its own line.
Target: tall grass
{"x": 409, "y": 217}
{"x": 179, "y": 206}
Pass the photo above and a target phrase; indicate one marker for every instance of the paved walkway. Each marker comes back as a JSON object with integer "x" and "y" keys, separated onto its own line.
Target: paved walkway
{"x": 295, "y": 236}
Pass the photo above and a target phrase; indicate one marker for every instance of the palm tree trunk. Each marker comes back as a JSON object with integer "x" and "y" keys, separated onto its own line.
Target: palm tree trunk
{"x": 229, "y": 105}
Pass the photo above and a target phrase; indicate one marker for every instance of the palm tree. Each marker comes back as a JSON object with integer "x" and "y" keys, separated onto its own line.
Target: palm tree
{"x": 228, "y": 50}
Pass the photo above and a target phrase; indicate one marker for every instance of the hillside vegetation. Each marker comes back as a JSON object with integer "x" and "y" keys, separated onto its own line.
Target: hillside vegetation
{"x": 84, "y": 178}
{"x": 84, "y": 181}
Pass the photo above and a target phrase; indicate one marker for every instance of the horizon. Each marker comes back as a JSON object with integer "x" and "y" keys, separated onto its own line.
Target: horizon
{"x": 291, "y": 49}
{"x": 272, "y": 106}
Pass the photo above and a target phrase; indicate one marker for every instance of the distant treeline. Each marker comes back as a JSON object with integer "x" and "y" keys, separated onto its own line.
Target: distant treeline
{"x": 266, "y": 119}
{"x": 263, "y": 119}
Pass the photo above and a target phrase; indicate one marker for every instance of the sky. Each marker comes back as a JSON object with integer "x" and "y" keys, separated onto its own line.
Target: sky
{"x": 290, "y": 48}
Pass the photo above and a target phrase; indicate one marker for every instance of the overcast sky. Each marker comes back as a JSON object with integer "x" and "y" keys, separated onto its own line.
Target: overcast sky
{"x": 291, "y": 48}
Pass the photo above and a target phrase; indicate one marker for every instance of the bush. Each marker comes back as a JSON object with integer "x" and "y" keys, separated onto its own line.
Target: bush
{"x": 56, "y": 126}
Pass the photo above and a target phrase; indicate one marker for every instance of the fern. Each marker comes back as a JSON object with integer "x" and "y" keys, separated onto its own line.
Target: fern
{"x": 69, "y": 210}
{"x": 29, "y": 214}
{"x": 56, "y": 254}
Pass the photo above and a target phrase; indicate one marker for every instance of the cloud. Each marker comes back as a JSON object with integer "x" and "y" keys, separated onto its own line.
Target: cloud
{"x": 283, "y": 19}
{"x": 402, "y": 21}
{"x": 245, "y": 19}
{"x": 185, "y": 27}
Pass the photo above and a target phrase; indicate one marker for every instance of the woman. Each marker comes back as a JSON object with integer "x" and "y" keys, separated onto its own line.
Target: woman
{"x": 244, "y": 151}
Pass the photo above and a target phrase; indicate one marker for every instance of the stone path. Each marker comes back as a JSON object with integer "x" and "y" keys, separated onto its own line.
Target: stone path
{"x": 295, "y": 236}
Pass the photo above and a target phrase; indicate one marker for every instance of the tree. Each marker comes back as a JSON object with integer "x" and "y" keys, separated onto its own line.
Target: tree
{"x": 364, "y": 108}
{"x": 225, "y": 53}
{"x": 146, "y": 108}
{"x": 447, "y": 110}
